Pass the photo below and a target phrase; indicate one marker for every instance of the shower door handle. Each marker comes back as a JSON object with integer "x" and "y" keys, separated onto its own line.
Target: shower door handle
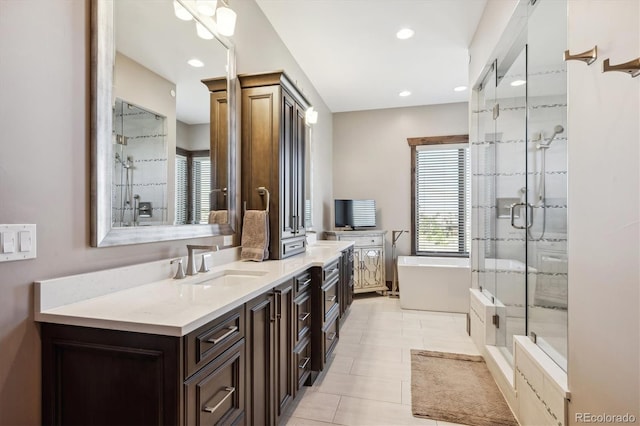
{"x": 512, "y": 214}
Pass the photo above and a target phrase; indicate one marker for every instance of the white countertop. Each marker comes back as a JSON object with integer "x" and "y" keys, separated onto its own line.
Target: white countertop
{"x": 134, "y": 299}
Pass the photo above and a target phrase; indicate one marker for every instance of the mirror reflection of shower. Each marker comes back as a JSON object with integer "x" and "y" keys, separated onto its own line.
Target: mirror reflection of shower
{"x": 139, "y": 166}
{"x": 540, "y": 195}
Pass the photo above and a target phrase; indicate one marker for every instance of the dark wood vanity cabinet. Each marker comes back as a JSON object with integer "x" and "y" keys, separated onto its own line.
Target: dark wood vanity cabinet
{"x": 106, "y": 377}
{"x": 325, "y": 313}
{"x": 244, "y": 367}
{"x": 346, "y": 280}
{"x": 270, "y": 357}
{"x": 273, "y": 151}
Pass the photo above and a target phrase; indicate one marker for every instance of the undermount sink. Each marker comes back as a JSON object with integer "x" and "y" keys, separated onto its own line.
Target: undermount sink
{"x": 230, "y": 276}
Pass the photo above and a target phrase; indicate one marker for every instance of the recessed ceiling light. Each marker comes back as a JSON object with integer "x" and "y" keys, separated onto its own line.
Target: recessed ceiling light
{"x": 404, "y": 93}
{"x": 196, "y": 63}
{"x": 516, "y": 83}
{"x": 405, "y": 33}
{"x": 460, "y": 88}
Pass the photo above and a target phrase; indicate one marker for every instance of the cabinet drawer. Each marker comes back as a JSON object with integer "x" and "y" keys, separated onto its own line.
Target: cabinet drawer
{"x": 303, "y": 362}
{"x": 302, "y": 312}
{"x": 330, "y": 271}
{"x": 364, "y": 240}
{"x": 215, "y": 395}
{"x": 302, "y": 282}
{"x": 293, "y": 246}
{"x": 329, "y": 296}
{"x": 209, "y": 341}
{"x": 330, "y": 334}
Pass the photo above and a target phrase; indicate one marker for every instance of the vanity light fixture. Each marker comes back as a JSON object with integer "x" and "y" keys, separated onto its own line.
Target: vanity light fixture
{"x": 203, "y": 32}
{"x": 405, "y": 33}
{"x": 311, "y": 116}
{"x": 460, "y": 89}
{"x": 206, "y": 7}
{"x": 404, "y": 93}
{"x": 181, "y": 12}
{"x": 516, "y": 83}
{"x": 196, "y": 63}
{"x": 226, "y": 19}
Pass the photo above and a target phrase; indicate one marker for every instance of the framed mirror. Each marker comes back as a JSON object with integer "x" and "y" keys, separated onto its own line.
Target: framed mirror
{"x": 163, "y": 159}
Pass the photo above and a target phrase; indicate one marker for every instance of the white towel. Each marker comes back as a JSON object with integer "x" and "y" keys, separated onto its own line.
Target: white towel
{"x": 255, "y": 236}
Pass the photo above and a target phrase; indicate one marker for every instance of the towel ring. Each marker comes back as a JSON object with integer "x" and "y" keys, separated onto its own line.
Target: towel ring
{"x": 262, "y": 190}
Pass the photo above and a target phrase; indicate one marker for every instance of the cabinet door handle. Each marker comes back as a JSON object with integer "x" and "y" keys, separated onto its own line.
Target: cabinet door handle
{"x": 278, "y": 295}
{"x": 304, "y": 316}
{"x": 304, "y": 363}
{"x": 209, "y": 409}
{"x": 332, "y": 335}
{"x": 230, "y": 330}
{"x": 332, "y": 299}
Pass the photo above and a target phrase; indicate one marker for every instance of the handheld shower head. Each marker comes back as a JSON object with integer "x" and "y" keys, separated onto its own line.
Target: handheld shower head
{"x": 556, "y": 130}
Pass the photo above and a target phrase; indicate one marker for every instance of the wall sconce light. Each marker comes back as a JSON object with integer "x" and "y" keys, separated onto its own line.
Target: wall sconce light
{"x": 181, "y": 12}
{"x": 311, "y": 116}
{"x": 225, "y": 17}
{"x": 203, "y": 32}
{"x": 226, "y": 20}
{"x": 207, "y": 7}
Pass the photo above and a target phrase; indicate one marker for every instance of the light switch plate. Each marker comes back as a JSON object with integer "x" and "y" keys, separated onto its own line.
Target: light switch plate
{"x": 17, "y": 242}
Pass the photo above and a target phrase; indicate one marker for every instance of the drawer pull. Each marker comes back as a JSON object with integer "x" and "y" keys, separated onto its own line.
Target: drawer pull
{"x": 304, "y": 316}
{"x": 296, "y": 246}
{"x": 230, "y": 330}
{"x": 331, "y": 271}
{"x": 304, "y": 363}
{"x": 332, "y": 335}
{"x": 228, "y": 390}
{"x": 305, "y": 283}
{"x": 332, "y": 299}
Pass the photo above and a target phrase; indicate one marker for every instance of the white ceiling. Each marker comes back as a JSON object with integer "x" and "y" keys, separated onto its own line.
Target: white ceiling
{"x": 349, "y": 50}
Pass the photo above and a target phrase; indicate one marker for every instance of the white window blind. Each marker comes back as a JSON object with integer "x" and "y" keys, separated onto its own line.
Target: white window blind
{"x": 181, "y": 189}
{"x": 442, "y": 201}
{"x": 201, "y": 184}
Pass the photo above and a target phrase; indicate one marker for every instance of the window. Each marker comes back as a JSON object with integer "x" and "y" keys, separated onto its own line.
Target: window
{"x": 441, "y": 201}
{"x": 193, "y": 186}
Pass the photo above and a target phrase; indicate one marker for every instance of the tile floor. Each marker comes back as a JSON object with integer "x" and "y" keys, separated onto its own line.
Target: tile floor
{"x": 368, "y": 379}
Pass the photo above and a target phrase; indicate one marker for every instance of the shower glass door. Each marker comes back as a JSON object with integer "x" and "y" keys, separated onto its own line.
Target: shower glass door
{"x": 547, "y": 178}
{"x": 511, "y": 212}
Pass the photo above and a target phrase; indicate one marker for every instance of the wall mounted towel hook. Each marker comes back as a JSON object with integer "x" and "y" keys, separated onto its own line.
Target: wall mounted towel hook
{"x": 262, "y": 191}
{"x": 588, "y": 56}
{"x": 631, "y": 67}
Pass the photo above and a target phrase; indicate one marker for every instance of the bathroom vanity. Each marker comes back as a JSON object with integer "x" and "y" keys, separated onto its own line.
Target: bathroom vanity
{"x": 230, "y": 346}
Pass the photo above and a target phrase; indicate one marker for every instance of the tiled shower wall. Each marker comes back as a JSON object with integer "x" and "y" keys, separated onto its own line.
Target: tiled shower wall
{"x": 146, "y": 151}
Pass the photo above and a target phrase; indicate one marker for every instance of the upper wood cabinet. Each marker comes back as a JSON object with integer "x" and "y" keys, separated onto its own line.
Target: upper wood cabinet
{"x": 273, "y": 151}
{"x": 219, "y": 145}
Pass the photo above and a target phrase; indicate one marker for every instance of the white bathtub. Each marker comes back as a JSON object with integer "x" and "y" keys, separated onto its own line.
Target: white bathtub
{"x": 434, "y": 283}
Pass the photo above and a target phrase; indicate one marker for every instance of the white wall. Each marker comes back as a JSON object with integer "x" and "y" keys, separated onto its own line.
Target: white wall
{"x": 44, "y": 166}
{"x": 372, "y": 159}
{"x": 604, "y": 212}
{"x": 193, "y": 137}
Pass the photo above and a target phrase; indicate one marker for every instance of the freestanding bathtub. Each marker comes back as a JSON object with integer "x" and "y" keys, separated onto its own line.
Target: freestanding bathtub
{"x": 434, "y": 283}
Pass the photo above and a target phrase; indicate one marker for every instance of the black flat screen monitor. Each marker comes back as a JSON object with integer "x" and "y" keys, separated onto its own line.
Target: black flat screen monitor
{"x": 355, "y": 214}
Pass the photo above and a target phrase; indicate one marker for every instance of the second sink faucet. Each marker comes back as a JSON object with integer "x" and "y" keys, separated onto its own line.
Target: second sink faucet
{"x": 191, "y": 260}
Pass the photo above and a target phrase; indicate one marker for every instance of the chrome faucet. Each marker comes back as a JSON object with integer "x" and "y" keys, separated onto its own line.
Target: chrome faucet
{"x": 191, "y": 260}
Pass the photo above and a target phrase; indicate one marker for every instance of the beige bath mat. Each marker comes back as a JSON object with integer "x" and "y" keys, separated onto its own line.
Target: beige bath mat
{"x": 456, "y": 388}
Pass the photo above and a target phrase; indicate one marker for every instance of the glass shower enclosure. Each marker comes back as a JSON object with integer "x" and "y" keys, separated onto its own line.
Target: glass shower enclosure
{"x": 519, "y": 160}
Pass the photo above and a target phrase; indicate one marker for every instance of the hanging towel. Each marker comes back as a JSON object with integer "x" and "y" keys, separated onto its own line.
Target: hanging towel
{"x": 255, "y": 236}
{"x": 218, "y": 216}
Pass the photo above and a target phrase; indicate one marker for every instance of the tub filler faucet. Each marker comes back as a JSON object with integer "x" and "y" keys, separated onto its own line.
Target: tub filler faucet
{"x": 191, "y": 261}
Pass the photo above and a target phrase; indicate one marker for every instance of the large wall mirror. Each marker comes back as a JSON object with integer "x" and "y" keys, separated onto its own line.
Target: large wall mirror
{"x": 163, "y": 124}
